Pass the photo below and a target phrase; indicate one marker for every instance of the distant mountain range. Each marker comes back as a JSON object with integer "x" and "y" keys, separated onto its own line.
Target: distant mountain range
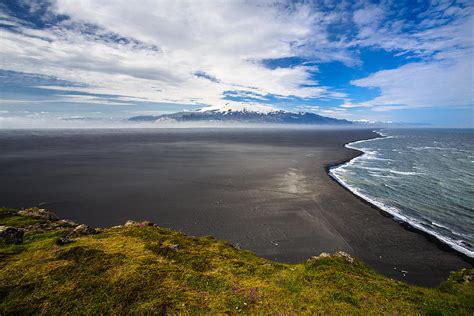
{"x": 243, "y": 113}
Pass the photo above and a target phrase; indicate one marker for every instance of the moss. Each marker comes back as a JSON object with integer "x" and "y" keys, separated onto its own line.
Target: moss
{"x": 145, "y": 269}
{"x": 8, "y": 217}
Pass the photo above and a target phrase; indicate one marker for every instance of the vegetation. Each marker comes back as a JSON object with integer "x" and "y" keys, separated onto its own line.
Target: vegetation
{"x": 142, "y": 268}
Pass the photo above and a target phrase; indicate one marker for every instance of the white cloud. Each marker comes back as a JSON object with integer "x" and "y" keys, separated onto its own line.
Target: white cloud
{"x": 166, "y": 43}
{"x": 369, "y": 15}
{"x": 442, "y": 83}
{"x": 442, "y": 39}
{"x": 223, "y": 39}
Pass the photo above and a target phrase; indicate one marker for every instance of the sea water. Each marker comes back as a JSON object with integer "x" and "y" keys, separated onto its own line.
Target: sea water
{"x": 424, "y": 177}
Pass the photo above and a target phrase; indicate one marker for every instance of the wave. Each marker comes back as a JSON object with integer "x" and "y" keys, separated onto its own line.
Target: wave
{"x": 382, "y": 134}
{"x": 395, "y": 212}
{"x": 404, "y": 173}
{"x": 434, "y": 148}
{"x": 440, "y": 226}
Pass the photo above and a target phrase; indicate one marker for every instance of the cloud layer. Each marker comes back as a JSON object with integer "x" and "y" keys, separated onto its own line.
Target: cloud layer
{"x": 207, "y": 52}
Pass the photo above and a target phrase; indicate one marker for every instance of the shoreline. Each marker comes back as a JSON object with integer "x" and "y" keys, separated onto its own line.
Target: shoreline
{"x": 139, "y": 267}
{"x": 267, "y": 190}
{"x": 432, "y": 237}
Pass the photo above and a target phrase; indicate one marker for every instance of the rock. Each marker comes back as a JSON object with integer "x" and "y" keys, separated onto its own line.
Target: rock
{"x": 345, "y": 255}
{"x": 339, "y": 254}
{"x": 11, "y": 235}
{"x": 173, "y": 247}
{"x": 66, "y": 223}
{"x": 34, "y": 226}
{"x": 321, "y": 255}
{"x": 467, "y": 278}
{"x": 130, "y": 223}
{"x": 38, "y": 213}
{"x": 63, "y": 241}
{"x": 83, "y": 229}
{"x": 59, "y": 224}
{"x": 141, "y": 224}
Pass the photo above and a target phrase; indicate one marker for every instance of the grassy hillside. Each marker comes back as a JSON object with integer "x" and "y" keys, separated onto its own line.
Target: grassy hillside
{"x": 147, "y": 269}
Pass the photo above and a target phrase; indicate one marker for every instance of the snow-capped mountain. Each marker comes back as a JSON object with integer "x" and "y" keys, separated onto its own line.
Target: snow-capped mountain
{"x": 239, "y": 107}
{"x": 244, "y": 113}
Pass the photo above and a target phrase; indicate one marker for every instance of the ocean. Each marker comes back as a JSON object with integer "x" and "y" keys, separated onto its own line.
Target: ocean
{"x": 424, "y": 177}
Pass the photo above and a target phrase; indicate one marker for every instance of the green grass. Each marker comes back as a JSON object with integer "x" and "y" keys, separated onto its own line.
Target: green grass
{"x": 8, "y": 217}
{"x": 155, "y": 270}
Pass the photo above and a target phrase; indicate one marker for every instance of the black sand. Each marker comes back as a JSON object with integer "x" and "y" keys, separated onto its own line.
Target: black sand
{"x": 267, "y": 190}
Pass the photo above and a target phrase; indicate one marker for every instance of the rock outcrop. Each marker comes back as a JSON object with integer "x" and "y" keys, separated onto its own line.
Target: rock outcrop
{"x": 339, "y": 254}
{"x": 84, "y": 229}
{"x": 11, "y": 235}
{"x": 141, "y": 224}
{"x": 38, "y": 213}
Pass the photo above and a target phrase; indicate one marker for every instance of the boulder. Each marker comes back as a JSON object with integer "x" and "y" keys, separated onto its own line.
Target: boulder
{"x": 38, "y": 213}
{"x": 141, "y": 224}
{"x": 345, "y": 255}
{"x": 83, "y": 229}
{"x": 63, "y": 241}
{"x": 468, "y": 277}
{"x": 339, "y": 254}
{"x": 323, "y": 255}
{"x": 130, "y": 223}
{"x": 66, "y": 223}
{"x": 11, "y": 235}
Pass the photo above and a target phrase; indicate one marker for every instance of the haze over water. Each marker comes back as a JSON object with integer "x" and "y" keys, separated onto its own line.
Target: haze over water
{"x": 423, "y": 177}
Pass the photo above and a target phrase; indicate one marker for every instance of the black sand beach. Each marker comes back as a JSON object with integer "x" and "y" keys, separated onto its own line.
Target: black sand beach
{"x": 267, "y": 190}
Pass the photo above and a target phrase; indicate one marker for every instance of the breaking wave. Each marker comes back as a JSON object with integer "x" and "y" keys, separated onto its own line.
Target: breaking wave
{"x": 424, "y": 189}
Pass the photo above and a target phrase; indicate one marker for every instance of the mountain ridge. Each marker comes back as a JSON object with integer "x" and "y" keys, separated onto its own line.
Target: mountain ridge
{"x": 243, "y": 114}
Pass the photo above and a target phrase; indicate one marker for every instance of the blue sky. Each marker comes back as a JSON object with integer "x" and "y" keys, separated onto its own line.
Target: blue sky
{"x": 409, "y": 61}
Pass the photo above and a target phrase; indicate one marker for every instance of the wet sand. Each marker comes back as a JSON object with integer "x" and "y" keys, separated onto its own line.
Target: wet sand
{"x": 267, "y": 190}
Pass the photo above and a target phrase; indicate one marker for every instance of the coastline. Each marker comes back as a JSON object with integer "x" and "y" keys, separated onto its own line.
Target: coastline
{"x": 60, "y": 266}
{"x": 403, "y": 221}
{"x": 266, "y": 190}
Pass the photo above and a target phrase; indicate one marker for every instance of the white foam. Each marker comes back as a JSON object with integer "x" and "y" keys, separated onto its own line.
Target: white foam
{"x": 433, "y": 148}
{"x": 405, "y": 173}
{"x": 395, "y": 212}
{"x": 440, "y": 225}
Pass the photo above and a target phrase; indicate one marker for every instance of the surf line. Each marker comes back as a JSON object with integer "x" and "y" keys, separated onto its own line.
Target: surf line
{"x": 390, "y": 211}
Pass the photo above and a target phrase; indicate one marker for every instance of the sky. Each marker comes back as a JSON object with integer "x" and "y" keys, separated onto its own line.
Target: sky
{"x": 399, "y": 61}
